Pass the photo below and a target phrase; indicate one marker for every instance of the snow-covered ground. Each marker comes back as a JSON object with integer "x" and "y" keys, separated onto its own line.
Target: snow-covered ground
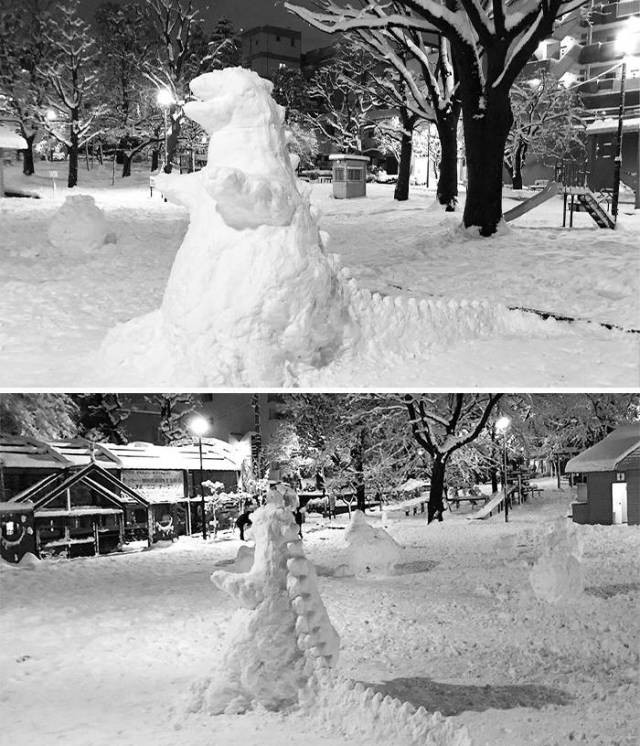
{"x": 105, "y": 650}
{"x": 56, "y": 308}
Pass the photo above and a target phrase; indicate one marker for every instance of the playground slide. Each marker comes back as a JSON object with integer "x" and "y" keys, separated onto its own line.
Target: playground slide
{"x": 488, "y": 507}
{"x": 549, "y": 191}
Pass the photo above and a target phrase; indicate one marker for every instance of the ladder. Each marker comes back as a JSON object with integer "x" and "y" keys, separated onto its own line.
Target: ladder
{"x": 591, "y": 205}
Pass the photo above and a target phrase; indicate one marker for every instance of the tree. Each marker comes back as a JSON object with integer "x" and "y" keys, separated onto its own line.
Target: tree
{"x": 343, "y": 103}
{"x": 101, "y": 417}
{"x": 174, "y": 412}
{"x": 72, "y": 77}
{"x": 416, "y": 77}
{"x": 22, "y": 86}
{"x": 442, "y": 424}
{"x": 48, "y": 416}
{"x": 223, "y": 47}
{"x": 491, "y": 42}
{"x": 179, "y": 48}
{"x": 125, "y": 44}
{"x": 548, "y": 123}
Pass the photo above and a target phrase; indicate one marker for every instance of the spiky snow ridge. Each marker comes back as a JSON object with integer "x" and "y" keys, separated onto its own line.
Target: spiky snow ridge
{"x": 341, "y": 705}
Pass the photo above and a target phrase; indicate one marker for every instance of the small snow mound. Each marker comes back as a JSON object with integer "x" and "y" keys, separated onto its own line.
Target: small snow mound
{"x": 557, "y": 577}
{"x": 244, "y": 559}
{"x": 78, "y": 227}
{"x": 371, "y": 550}
{"x": 28, "y": 561}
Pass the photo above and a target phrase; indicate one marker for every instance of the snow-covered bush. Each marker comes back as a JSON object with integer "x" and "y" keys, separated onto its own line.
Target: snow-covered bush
{"x": 78, "y": 227}
{"x": 370, "y": 550}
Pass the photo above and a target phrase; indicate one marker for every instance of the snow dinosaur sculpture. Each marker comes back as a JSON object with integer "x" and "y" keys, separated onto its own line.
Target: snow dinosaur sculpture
{"x": 283, "y": 633}
{"x": 253, "y": 299}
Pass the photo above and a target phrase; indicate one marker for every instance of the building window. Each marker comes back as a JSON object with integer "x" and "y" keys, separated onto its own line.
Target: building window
{"x": 277, "y": 38}
{"x": 282, "y": 65}
{"x": 293, "y": 42}
{"x": 339, "y": 174}
{"x": 354, "y": 174}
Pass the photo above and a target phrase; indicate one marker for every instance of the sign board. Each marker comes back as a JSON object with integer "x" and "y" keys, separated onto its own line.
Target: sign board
{"x": 53, "y": 174}
{"x": 620, "y": 476}
{"x": 157, "y": 485}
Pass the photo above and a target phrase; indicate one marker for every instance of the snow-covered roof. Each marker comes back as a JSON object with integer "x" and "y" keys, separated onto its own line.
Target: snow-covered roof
{"x": 13, "y": 508}
{"x": 216, "y": 456}
{"x": 413, "y": 484}
{"x": 10, "y": 140}
{"x": 79, "y": 453}
{"x": 605, "y": 455}
{"x": 27, "y": 453}
{"x": 610, "y": 124}
{"x": 348, "y": 156}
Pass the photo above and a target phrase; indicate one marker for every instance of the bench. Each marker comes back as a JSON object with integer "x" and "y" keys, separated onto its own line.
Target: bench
{"x": 539, "y": 184}
{"x": 473, "y": 499}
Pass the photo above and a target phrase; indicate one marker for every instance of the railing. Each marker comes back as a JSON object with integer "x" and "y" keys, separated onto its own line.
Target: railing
{"x": 571, "y": 173}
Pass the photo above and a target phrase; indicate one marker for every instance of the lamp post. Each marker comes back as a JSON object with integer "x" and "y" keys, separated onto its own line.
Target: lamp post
{"x": 502, "y": 426}
{"x": 165, "y": 99}
{"x": 199, "y": 426}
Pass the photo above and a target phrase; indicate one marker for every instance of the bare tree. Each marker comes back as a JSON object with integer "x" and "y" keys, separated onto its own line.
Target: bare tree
{"x": 71, "y": 72}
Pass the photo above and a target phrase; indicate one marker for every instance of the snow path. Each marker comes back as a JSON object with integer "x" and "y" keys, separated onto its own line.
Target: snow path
{"x": 104, "y": 650}
{"x": 55, "y": 311}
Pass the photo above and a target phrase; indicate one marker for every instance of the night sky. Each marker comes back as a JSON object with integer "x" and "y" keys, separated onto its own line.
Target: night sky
{"x": 244, "y": 14}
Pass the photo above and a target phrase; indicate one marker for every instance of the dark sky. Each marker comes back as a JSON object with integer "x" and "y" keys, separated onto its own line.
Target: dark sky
{"x": 244, "y": 14}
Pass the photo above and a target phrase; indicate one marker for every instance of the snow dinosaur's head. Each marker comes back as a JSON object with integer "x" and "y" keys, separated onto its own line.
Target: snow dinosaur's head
{"x": 233, "y": 97}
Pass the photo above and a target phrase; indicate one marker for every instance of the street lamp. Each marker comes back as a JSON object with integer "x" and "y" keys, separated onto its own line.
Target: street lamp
{"x": 502, "y": 426}
{"x": 199, "y": 426}
{"x": 626, "y": 40}
{"x": 165, "y": 99}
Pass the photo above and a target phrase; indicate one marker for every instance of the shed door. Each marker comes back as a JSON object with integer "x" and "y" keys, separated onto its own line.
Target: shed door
{"x": 619, "y": 502}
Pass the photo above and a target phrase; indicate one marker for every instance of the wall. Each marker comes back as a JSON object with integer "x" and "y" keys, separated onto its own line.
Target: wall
{"x": 599, "y": 496}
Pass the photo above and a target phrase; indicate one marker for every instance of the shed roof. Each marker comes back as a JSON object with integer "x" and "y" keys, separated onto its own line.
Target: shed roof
{"x": 26, "y": 453}
{"x": 11, "y": 140}
{"x": 605, "y": 455}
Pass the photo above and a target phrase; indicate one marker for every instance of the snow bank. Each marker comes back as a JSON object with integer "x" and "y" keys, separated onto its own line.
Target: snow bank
{"x": 282, "y": 633}
{"x": 78, "y": 227}
{"x": 28, "y": 561}
{"x": 370, "y": 550}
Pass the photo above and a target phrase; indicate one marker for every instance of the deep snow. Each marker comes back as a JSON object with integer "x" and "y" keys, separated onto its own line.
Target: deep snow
{"x": 106, "y": 650}
{"x": 56, "y": 309}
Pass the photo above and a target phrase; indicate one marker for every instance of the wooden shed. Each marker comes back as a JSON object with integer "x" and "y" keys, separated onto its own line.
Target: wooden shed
{"x": 9, "y": 141}
{"x": 611, "y": 492}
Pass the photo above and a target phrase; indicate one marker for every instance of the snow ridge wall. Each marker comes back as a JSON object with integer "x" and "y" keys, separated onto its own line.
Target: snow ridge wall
{"x": 337, "y": 703}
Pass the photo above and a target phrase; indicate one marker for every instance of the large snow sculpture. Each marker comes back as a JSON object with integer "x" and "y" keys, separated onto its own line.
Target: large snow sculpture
{"x": 78, "y": 227}
{"x": 370, "y": 550}
{"x": 557, "y": 576}
{"x": 252, "y": 297}
{"x": 284, "y": 633}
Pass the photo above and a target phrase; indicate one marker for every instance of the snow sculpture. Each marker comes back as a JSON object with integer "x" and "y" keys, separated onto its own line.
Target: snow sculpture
{"x": 557, "y": 576}
{"x": 78, "y": 227}
{"x": 252, "y": 294}
{"x": 371, "y": 550}
{"x": 283, "y": 633}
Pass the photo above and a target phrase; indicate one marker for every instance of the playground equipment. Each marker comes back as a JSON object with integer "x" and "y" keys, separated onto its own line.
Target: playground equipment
{"x": 571, "y": 182}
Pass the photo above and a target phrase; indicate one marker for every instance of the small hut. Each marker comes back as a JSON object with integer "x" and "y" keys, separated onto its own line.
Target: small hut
{"x": 349, "y": 175}
{"x": 610, "y": 492}
{"x": 9, "y": 141}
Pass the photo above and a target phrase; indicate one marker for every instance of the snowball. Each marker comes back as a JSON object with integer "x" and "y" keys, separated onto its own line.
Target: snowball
{"x": 78, "y": 227}
{"x": 370, "y": 550}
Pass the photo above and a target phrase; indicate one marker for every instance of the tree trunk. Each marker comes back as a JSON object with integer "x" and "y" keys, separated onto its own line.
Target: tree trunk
{"x": 73, "y": 159}
{"x": 401, "y": 192}
{"x": 447, "y": 189}
{"x": 485, "y": 135}
{"x": 518, "y": 163}
{"x": 155, "y": 159}
{"x": 127, "y": 158}
{"x": 172, "y": 141}
{"x": 28, "y": 167}
{"x": 357, "y": 460}
{"x": 436, "y": 492}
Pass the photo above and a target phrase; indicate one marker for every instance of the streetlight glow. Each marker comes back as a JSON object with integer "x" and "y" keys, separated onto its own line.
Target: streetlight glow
{"x": 627, "y": 38}
{"x": 165, "y": 97}
{"x": 199, "y": 426}
{"x": 502, "y": 424}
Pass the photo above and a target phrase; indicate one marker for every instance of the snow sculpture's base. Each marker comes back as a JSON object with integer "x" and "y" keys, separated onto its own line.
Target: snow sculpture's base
{"x": 78, "y": 227}
{"x": 371, "y": 551}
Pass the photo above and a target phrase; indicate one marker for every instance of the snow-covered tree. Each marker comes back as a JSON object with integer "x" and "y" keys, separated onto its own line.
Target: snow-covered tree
{"x": 548, "y": 124}
{"x": 491, "y": 41}
{"x": 175, "y": 410}
{"x": 343, "y": 103}
{"x": 102, "y": 417}
{"x": 443, "y": 424}
{"x": 23, "y": 49}
{"x": 38, "y": 415}
{"x": 71, "y": 71}
{"x": 223, "y": 47}
{"x": 417, "y": 77}
{"x": 132, "y": 120}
